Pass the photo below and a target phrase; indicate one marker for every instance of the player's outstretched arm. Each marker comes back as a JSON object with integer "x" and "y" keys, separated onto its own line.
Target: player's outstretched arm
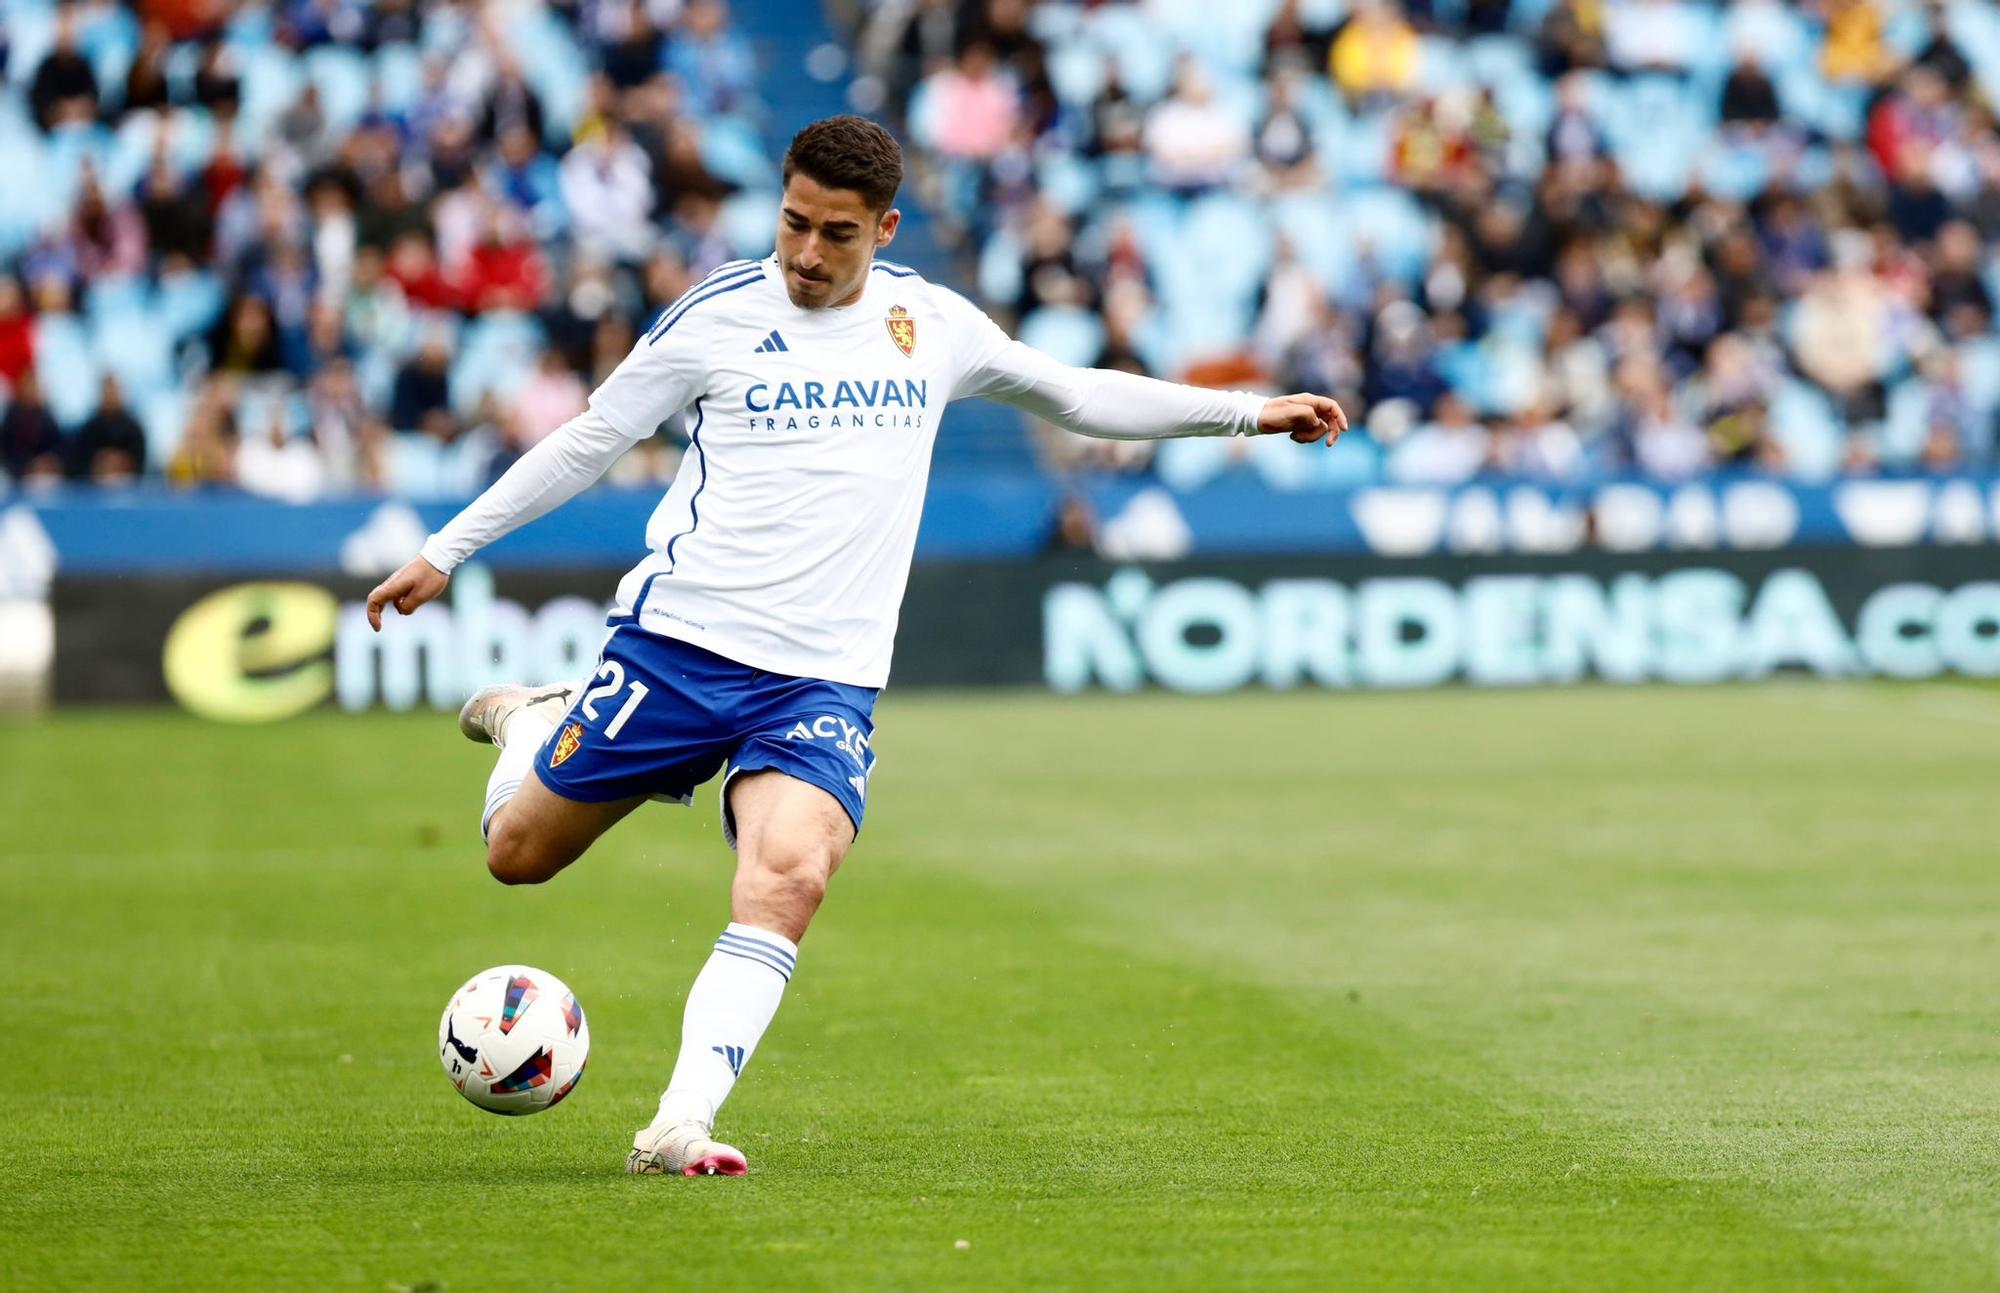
{"x": 1121, "y": 406}
{"x": 547, "y": 476}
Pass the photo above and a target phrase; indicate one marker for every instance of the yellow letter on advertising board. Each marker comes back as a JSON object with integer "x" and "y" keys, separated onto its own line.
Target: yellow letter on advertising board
{"x": 253, "y": 653}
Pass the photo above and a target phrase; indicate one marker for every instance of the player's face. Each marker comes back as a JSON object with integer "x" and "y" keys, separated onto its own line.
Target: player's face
{"x": 826, "y": 237}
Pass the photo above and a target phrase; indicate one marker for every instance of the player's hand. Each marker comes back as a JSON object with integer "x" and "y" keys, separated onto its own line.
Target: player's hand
{"x": 416, "y": 583}
{"x": 1305, "y": 418}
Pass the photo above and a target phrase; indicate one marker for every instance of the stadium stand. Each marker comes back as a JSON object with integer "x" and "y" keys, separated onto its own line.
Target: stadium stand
{"x": 323, "y": 246}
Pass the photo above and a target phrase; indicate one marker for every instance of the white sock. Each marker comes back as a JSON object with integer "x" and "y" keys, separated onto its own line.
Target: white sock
{"x": 523, "y": 734}
{"x": 728, "y": 1009}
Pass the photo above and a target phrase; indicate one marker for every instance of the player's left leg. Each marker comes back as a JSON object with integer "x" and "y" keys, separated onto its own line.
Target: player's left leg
{"x": 790, "y": 838}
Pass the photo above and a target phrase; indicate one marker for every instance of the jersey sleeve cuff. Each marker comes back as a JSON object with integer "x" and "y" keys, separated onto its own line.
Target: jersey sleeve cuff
{"x": 1250, "y": 407}
{"x": 434, "y": 552}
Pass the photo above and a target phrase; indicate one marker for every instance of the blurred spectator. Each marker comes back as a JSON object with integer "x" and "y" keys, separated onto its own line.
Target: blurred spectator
{"x": 146, "y": 87}
{"x": 1375, "y": 54}
{"x": 606, "y": 187}
{"x": 218, "y": 86}
{"x": 110, "y": 446}
{"x": 1657, "y": 437}
{"x": 970, "y": 107}
{"x": 1537, "y": 444}
{"x": 1571, "y": 37}
{"x": 1450, "y": 449}
{"x": 1285, "y": 139}
{"x": 413, "y": 268}
{"x": 504, "y": 269}
{"x": 1193, "y": 142}
{"x": 17, "y": 335}
{"x": 1854, "y": 48}
{"x": 423, "y": 387}
{"x": 511, "y": 104}
{"x": 245, "y": 340}
{"x": 633, "y": 55}
{"x": 64, "y": 90}
{"x": 1748, "y": 96}
{"x": 551, "y": 397}
{"x": 711, "y": 60}
{"x": 1656, "y": 35}
{"x": 206, "y": 454}
{"x": 176, "y": 214}
{"x": 1841, "y": 331}
{"x": 1959, "y": 300}
{"x": 277, "y": 464}
{"x": 30, "y": 441}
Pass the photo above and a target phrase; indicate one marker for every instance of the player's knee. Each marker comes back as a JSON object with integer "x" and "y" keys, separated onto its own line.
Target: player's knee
{"x": 792, "y": 876}
{"x": 513, "y": 858}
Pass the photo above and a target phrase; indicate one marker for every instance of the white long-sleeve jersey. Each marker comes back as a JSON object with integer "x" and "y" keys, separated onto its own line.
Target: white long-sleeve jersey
{"x": 785, "y": 540}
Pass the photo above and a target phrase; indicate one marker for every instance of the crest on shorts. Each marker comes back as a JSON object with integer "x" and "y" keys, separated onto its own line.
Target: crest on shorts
{"x": 902, "y": 329}
{"x": 566, "y": 744}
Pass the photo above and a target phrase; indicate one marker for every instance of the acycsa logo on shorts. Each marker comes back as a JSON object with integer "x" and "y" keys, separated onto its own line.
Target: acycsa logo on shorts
{"x": 566, "y": 744}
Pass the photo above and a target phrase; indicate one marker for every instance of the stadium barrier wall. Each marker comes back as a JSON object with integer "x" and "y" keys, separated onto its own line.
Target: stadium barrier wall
{"x": 242, "y": 648}
{"x": 1010, "y": 516}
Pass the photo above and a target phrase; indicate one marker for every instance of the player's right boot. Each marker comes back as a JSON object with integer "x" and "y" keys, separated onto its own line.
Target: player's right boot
{"x": 683, "y": 1149}
{"x": 485, "y": 716}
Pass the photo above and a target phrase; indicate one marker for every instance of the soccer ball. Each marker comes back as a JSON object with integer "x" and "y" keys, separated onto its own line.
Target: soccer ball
{"x": 513, "y": 1040}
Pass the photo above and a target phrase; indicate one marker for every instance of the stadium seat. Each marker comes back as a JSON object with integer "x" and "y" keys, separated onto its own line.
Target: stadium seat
{"x": 132, "y": 346}
{"x": 1803, "y": 421}
{"x": 163, "y": 414}
{"x": 748, "y": 219}
{"x": 272, "y": 81}
{"x": 496, "y": 353}
{"x": 399, "y": 76}
{"x": 67, "y": 369}
{"x": 1000, "y": 275}
{"x": 344, "y": 80}
{"x": 189, "y": 303}
{"x": 730, "y": 148}
{"x": 1073, "y": 336}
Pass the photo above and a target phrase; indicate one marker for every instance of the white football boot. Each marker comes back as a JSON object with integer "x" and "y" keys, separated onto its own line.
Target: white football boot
{"x": 683, "y": 1149}
{"x": 485, "y": 716}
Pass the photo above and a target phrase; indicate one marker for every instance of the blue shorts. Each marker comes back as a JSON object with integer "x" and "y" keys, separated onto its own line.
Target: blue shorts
{"x": 661, "y": 716}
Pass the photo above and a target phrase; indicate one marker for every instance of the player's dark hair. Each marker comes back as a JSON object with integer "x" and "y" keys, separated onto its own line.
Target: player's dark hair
{"x": 848, "y": 152}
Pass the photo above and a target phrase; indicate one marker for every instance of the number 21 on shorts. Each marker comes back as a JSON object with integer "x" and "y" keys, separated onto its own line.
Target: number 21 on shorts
{"x": 613, "y": 674}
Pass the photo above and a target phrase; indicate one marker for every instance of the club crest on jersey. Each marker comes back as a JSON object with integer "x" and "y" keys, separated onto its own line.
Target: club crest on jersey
{"x": 902, "y": 329}
{"x": 566, "y": 744}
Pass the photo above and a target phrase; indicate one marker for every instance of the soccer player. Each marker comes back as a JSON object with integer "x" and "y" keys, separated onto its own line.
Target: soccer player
{"x": 756, "y": 633}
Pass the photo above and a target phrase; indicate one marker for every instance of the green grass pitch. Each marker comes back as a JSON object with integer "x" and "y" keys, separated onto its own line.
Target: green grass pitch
{"x": 1596, "y": 989}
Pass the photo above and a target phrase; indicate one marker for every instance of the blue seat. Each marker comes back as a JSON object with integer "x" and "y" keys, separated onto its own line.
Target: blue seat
{"x": 730, "y": 148}
{"x": 1319, "y": 236}
{"x": 496, "y": 353}
{"x": 189, "y": 303}
{"x": 163, "y": 414}
{"x": 67, "y": 369}
{"x": 399, "y": 76}
{"x": 1389, "y": 222}
{"x": 272, "y": 81}
{"x": 1908, "y": 423}
{"x": 1071, "y": 335}
{"x": 1804, "y": 423}
{"x": 133, "y": 346}
{"x": 344, "y": 80}
{"x": 1000, "y": 276}
{"x": 1226, "y": 239}
{"x": 747, "y": 220}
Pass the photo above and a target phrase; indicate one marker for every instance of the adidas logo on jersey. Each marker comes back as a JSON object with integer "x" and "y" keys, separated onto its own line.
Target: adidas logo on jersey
{"x": 771, "y": 344}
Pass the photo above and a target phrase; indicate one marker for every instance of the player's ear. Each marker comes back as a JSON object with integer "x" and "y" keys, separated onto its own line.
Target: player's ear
{"x": 885, "y": 232}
